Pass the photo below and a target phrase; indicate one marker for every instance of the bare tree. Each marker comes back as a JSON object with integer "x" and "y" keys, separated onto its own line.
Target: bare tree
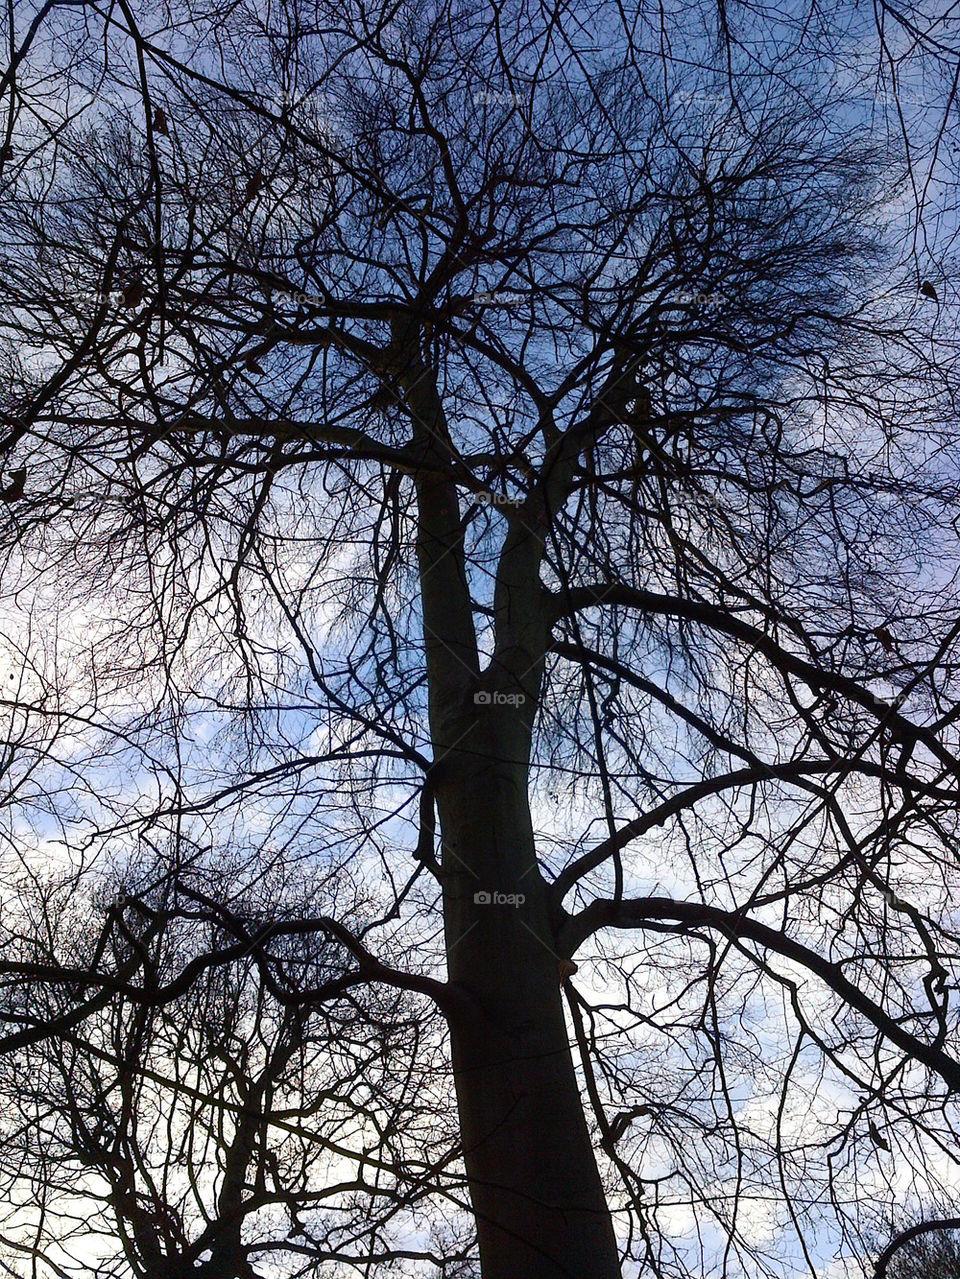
{"x": 921, "y": 1250}
{"x": 533, "y": 423}
{"x": 212, "y": 1125}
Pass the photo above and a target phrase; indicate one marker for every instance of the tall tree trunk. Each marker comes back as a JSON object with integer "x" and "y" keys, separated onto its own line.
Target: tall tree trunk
{"x": 540, "y": 1207}
{"x": 536, "y": 1191}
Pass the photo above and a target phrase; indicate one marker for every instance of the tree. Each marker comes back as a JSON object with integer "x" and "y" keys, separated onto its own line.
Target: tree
{"x": 483, "y": 494}
{"x": 208, "y": 1125}
{"x": 925, "y": 1248}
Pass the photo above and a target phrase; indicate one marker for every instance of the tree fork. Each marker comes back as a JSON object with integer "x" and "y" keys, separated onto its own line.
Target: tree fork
{"x": 532, "y": 1172}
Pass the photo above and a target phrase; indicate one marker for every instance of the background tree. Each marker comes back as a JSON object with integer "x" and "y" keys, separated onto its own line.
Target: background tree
{"x": 484, "y": 497}
{"x": 212, "y": 1123}
{"x": 924, "y": 1248}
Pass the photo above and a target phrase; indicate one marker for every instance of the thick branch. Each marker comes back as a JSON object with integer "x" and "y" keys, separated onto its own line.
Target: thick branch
{"x": 683, "y": 799}
{"x": 739, "y": 928}
{"x": 719, "y": 619}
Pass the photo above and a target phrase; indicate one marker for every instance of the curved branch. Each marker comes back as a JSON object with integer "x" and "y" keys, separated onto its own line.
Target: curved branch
{"x": 739, "y": 928}
{"x": 719, "y": 619}
{"x": 448, "y": 997}
{"x": 906, "y": 1236}
{"x": 677, "y": 803}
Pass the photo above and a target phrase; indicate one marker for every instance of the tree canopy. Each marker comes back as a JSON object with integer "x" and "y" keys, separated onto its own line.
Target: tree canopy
{"x": 478, "y": 515}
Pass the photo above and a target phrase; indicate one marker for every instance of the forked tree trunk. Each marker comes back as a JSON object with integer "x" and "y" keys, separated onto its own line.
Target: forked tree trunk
{"x": 536, "y": 1191}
